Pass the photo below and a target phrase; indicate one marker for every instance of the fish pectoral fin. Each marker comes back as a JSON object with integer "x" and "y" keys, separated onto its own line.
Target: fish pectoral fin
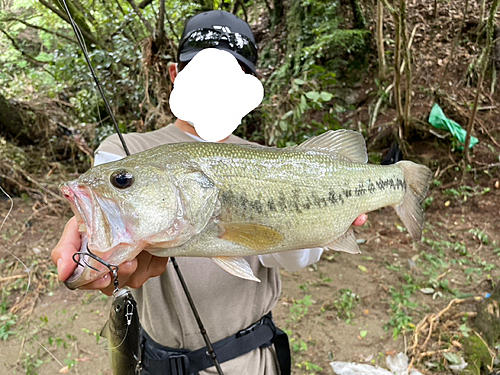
{"x": 254, "y": 236}
{"x": 346, "y": 242}
{"x": 347, "y": 143}
{"x": 105, "y": 330}
{"x": 236, "y": 266}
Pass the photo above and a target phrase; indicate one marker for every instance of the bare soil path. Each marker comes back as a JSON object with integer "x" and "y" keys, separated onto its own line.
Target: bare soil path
{"x": 349, "y": 308}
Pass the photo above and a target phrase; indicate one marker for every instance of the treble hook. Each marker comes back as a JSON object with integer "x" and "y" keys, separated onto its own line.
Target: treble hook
{"x": 111, "y": 267}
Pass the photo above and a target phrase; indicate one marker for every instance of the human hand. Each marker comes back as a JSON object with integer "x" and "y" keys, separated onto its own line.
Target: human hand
{"x": 133, "y": 273}
{"x": 360, "y": 220}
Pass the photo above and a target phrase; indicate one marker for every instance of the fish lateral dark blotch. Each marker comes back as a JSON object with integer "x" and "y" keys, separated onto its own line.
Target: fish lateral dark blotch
{"x": 271, "y": 205}
{"x": 335, "y": 198}
{"x": 257, "y": 206}
{"x": 400, "y": 184}
{"x": 371, "y": 187}
{"x": 360, "y": 190}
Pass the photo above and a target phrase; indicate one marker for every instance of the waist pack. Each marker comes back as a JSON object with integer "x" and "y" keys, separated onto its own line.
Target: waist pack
{"x": 157, "y": 359}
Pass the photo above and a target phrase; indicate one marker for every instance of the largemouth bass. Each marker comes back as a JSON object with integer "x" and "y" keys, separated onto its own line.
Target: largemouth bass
{"x": 226, "y": 201}
{"x": 122, "y": 333}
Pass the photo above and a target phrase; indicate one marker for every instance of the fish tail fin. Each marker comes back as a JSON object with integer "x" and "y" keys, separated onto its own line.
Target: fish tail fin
{"x": 417, "y": 178}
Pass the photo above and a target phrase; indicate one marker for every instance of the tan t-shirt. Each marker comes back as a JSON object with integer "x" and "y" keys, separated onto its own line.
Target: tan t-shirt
{"x": 226, "y": 303}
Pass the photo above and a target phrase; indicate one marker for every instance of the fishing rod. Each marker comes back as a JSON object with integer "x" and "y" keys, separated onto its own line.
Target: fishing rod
{"x": 114, "y": 268}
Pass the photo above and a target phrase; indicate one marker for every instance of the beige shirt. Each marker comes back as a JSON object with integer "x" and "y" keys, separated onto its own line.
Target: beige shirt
{"x": 226, "y": 303}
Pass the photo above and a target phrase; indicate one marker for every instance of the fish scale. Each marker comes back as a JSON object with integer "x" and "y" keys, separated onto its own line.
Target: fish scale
{"x": 305, "y": 208}
{"x": 226, "y": 201}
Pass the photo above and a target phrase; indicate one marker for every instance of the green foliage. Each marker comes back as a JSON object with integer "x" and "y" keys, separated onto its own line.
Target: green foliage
{"x": 7, "y": 321}
{"x": 496, "y": 249}
{"x": 480, "y": 235}
{"x": 465, "y": 191}
{"x": 318, "y": 45}
{"x": 441, "y": 245}
{"x": 336, "y": 41}
{"x": 345, "y": 303}
{"x": 42, "y": 53}
{"x": 300, "y": 308}
{"x": 306, "y": 109}
{"x": 402, "y": 306}
{"x": 310, "y": 367}
{"x": 298, "y": 345}
{"x": 31, "y": 362}
{"x": 324, "y": 38}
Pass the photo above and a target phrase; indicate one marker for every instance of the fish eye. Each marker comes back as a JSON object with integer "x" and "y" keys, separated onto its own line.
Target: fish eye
{"x": 122, "y": 179}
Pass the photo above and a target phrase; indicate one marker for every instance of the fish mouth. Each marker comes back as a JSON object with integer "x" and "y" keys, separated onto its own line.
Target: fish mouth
{"x": 103, "y": 235}
{"x": 80, "y": 202}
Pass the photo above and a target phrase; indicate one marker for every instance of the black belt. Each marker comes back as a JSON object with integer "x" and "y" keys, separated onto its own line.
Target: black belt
{"x": 159, "y": 360}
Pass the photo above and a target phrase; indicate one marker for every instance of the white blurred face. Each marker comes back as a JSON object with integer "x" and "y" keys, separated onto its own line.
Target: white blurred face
{"x": 213, "y": 94}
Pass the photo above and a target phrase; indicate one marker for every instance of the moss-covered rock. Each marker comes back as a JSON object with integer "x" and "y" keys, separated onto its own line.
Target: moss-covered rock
{"x": 477, "y": 355}
{"x": 479, "y": 345}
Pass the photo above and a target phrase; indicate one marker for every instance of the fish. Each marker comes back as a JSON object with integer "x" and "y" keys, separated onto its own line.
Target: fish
{"x": 122, "y": 334}
{"x": 227, "y": 201}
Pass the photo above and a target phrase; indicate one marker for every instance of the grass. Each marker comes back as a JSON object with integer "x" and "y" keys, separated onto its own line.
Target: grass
{"x": 309, "y": 368}
{"x": 300, "y": 308}
{"x": 299, "y": 346}
{"x": 464, "y": 192}
{"x": 401, "y": 306}
{"x": 345, "y": 303}
{"x": 7, "y": 322}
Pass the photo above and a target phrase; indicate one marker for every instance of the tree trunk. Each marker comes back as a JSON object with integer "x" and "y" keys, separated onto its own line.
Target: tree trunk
{"x": 357, "y": 15}
{"x": 160, "y": 27}
{"x": 483, "y": 62}
{"x": 78, "y": 18}
{"x": 144, "y": 21}
{"x": 17, "y": 122}
{"x": 278, "y": 12}
{"x": 408, "y": 73}
{"x": 380, "y": 41}
{"x": 397, "y": 64}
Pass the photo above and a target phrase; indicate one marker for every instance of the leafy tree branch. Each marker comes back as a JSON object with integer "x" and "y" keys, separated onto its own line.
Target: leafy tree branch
{"x": 36, "y": 27}
{"x": 82, "y": 25}
{"x": 29, "y": 57}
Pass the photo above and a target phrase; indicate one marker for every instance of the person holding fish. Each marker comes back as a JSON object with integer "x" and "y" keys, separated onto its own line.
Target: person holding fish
{"x": 215, "y": 86}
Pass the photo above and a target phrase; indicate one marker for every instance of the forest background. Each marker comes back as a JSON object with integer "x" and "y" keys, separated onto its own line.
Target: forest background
{"x": 378, "y": 67}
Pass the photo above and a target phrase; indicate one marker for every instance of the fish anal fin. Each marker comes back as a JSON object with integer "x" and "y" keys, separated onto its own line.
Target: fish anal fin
{"x": 254, "y": 236}
{"x": 346, "y": 243}
{"x": 236, "y": 266}
{"x": 348, "y": 144}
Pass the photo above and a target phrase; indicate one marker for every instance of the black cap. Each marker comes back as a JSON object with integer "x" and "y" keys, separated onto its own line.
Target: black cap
{"x": 217, "y": 20}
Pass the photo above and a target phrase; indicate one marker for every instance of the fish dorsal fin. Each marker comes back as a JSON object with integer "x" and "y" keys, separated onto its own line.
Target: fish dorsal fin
{"x": 236, "y": 266}
{"x": 347, "y": 143}
{"x": 346, "y": 242}
{"x": 254, "y": 236}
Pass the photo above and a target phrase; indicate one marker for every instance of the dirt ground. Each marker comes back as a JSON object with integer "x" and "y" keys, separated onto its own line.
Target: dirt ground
{"x": 345, "y": 308}
{"x": 397, "y": 296}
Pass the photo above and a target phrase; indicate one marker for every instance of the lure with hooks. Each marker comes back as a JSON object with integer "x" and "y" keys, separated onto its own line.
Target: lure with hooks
{"x": 122, "y": 332}
{"x": 82, "y": 255}
{"x": 114, "y": 268}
